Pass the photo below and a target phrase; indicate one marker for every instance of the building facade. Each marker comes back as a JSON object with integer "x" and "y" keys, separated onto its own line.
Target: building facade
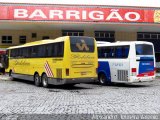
{"x": 21, "y": 23}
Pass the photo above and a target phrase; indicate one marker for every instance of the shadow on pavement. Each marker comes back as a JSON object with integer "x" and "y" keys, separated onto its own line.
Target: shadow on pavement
{"x": 68, "y": 87}
{"x": 23, "y": 81}
{"x": 64, "y": 87}
{"x": 133, "y": 85}
{"x": 95, "y": 84}
{"x": 126, "y": 85}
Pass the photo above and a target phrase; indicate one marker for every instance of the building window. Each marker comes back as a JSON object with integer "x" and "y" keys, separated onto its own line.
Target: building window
{"x": 108, "y": 36}
{"x": 72, "y": 33}
{"x": 45, "y": 37}
{"x": 148, "y": 35}
{"x": 153, "y": 37}
{"x": 6, "y": 39}
{"x": 34, "y": 35}
{"x": 22, "y": 39}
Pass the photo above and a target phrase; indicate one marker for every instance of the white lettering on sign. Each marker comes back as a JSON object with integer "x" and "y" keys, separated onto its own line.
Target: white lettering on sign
{"x": 38, "y": 13}
{"x": 97, "y": 15}
{"x": 128, "y": 14}
{"x": 54, "y": 13}
{"x": 84, "y": 15}
{"x": 114, "y": 15}
{"x": 20, "y": 13}
{"x": 72, "y": 13}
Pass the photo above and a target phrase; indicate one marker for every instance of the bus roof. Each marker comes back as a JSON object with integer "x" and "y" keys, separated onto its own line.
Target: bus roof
{"x": 102, "y": 42}
{"x": 123, "y": 43}
{"x": 40, "y": 42}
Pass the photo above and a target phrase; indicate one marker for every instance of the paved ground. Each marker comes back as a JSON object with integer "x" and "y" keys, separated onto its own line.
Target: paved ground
{"x": 17, "y": 97}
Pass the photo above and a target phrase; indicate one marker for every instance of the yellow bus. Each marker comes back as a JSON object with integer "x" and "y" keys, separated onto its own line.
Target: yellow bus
{"x": 64, "y": 60}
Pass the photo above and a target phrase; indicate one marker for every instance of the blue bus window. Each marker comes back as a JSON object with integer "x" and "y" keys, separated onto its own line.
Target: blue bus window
{"x": 119, "y": 52}
{"x": 126, "y": 52}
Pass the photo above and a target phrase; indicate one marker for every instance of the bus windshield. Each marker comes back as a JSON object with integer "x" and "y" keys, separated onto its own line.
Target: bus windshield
{"x": 82, "y": 44}
{"x": 144, "y": 49}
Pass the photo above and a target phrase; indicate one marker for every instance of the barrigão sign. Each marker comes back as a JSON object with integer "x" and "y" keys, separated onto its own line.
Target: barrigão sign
{"x": 78, "y": 14}
{"x": 60, "y": 14}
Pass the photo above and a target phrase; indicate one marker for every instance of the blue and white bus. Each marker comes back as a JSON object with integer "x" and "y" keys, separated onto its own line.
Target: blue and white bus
{"x": 126, "y": 62}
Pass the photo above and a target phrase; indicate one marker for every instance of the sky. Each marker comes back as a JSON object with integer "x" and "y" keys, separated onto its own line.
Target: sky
{"x": 143, "y": 3}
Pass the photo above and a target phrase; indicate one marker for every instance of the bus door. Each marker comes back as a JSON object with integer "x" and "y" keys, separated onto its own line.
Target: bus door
{"x": 144, "y": 60}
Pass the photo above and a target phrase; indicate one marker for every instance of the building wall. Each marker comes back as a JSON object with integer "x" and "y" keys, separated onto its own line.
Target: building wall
{"x": 89, "y": 33}
{"x": 125, "y": 36}
{"x": 119, "y": 36}
{"x": 16, "y": 33}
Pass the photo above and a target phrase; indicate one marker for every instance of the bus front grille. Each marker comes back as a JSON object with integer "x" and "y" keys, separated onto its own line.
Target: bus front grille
{"x": 59, "y": 73}
{"x": 123, "y": 75}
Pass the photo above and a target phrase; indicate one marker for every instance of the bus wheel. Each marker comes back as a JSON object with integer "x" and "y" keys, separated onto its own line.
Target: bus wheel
{"x": 37, "y": 80}
{"x": 102, "y": 79}
{"x": 45, "y": 80}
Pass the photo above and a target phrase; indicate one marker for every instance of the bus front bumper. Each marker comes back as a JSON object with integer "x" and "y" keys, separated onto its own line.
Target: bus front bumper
{"x": 54, "y": 81}
{"x": 134, "y": 79}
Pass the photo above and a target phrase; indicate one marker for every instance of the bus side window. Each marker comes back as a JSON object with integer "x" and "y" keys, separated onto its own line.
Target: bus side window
{"x": 20, "y": 53}
{"x": 25, "y": 53}
{"x": 15, "y": 53}
{"x": 55, "y": 49}
{"x": 125, "y": 51}
{"x": 61, "y": 49}
{"x": 104, "y": 52}
{"x": 107, "y": 52}
{"x": 34, "y": 51}
{"x": 12, "y": 53}
{"x": 118, "y": 52}
{"x": 112, "y": 52}
{"x": 49, "y": 50}
{"x": 41, "y": 50}
{"x": 99, "y": 52}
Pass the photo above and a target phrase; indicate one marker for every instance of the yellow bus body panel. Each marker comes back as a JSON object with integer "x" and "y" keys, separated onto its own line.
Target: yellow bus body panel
{"x": 78, "y": 64}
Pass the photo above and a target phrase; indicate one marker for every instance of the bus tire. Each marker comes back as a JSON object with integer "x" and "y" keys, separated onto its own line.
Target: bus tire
{"x": 44, "y": 80}
{"x": 102, "y": 79}
{"x": 37, "y": 80}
